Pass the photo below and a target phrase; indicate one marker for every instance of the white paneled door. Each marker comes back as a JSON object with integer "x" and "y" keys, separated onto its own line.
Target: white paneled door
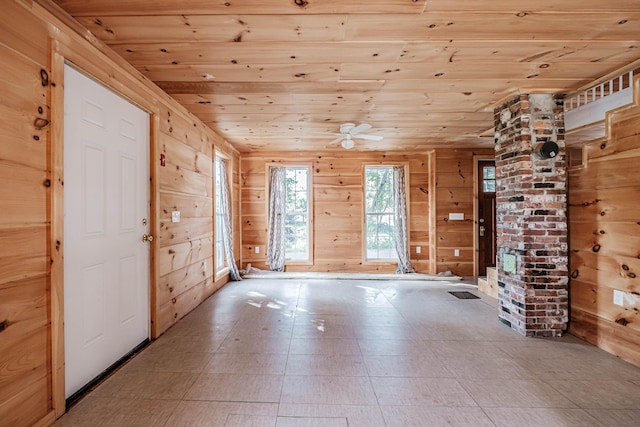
{"x": 106, "y": 214}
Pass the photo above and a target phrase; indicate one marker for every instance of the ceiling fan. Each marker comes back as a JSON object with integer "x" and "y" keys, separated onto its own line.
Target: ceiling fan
{"x": 349, "y": 131}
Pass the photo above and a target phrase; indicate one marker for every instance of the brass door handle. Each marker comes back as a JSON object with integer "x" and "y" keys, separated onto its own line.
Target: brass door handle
{"x": 147, "y": 238}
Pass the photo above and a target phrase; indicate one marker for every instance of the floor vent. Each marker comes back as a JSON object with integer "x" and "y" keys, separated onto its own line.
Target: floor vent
{"x": 464, "y": 295}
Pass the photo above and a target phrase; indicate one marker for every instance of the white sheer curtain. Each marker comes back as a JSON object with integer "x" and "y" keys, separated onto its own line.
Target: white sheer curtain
{"x": 227, "y": 232}
{"x": 277, "y": 200}
{"x": 400, "y": 216}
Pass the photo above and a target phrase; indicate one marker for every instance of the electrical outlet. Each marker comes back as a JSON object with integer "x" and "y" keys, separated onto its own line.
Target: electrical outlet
{"x": 618, "y": 297}
{"x": 175, "y": 216}
{"x": 257, "y": 249}
{"x": 456, "y": 252}
{"x": 418, "y": 249}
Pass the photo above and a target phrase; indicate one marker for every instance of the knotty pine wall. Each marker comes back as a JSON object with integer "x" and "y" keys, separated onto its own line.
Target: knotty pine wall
{"x": 455, "y": 193}
{"x": 337, "y": 178}
{"x": 34, "y": 43}
{"x": 604, "y": 237}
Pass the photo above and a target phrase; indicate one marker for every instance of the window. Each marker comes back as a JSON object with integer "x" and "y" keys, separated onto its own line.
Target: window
{"x": 379, "y": 216}
{"x": 296, "y": 229}
{"x": 220, "y": 259}
{"x": 489, "y": 179}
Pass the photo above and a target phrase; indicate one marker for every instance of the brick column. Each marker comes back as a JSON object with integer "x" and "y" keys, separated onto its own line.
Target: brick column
{"x": 531, "y": 216}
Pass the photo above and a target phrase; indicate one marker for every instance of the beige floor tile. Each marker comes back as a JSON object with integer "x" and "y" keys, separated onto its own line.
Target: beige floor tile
{"x": 188, "y": 343}
{"x": 420, "y": 391}
{"x": 311, "y": 422}
{"x": 415, "y": 366}
{"x": 600, "y": 394}
{"x": 196, "y": 326}
{"x": 419, "y": 416}
{"x": 536, "y": 417}
{"x": 616, "y": 417}
{"x": 213, "y": 414}
{"x": 325, "y": 346}
{"x": 371, "y": 318}
{"x": 386, "y": 333}
{"x": 107, "y": 412}
{"x": 249, "y": 363}
{"x": 328, "y": 320}
{"x": 235, "y": 420}
{"x": 356, "y": 415}
{"x": 236, "y": 388}
{"x": 314, "y": 364}
{"x": 327, "y": 390}
{"x": 322, "y": 328}
{"x": 376, "y": 347}
{"x": 581, "y": 368}
{"x": 146, "y": 385}
{"x": 486, "y": 368}
{"x": 539, "y": 348}
{"x": 235, "y": 347}
{"x": 515, "y": 394}
{"x": 164, "y": 361}
{"x": 264, "y": 327}
{"x": 468, "y": 349}
{"x": 253, "y": 344}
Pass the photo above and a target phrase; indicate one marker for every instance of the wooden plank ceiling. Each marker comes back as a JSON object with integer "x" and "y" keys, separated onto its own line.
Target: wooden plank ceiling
{"x": 280, "y": 74}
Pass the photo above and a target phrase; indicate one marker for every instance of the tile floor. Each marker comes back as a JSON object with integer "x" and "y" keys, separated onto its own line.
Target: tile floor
{"x": 324, "y": 353}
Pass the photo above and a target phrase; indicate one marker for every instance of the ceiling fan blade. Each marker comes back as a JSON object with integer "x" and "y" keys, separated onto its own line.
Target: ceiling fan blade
{"x": 369, "y": 137}
{"x": 360, "y": 128}
{"x": 337, "y": 140}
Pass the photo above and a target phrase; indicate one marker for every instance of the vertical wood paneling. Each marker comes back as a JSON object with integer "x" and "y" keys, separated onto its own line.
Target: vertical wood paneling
{"x": 604, "y": 237}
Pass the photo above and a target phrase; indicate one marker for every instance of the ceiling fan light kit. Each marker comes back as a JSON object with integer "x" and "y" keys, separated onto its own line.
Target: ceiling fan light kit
{"x": 349, "y": 131}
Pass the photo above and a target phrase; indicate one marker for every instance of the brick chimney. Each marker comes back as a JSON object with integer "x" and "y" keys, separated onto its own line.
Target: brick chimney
{"x": 531, "y": 215}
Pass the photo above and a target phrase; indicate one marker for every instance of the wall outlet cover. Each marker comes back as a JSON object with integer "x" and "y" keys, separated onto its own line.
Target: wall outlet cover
{"x": 175, "y": 216}
{"x": 456, "y": 216}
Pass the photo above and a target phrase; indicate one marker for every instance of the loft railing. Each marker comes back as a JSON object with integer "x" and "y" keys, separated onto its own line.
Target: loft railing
{"x": 587, "y": 107}
{"x": 600, "y": 91}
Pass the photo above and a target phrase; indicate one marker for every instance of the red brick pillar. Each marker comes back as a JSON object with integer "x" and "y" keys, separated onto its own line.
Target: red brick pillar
{"x": 531, "y": 216}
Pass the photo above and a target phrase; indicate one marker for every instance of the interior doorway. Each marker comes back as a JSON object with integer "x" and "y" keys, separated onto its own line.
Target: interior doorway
{"x": 486, "y": 220}
{"x": 106, "y": 226}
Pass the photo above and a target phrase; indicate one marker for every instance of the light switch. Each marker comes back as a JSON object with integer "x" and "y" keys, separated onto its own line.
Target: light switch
{"x": 618, "y": 297}
{"x": 456, "y": 216}
{"x": 456, "y": 252}
{"x": 418, "y": 249}
{"x": 257, "y": 249}
{"x": 175, "y": 216}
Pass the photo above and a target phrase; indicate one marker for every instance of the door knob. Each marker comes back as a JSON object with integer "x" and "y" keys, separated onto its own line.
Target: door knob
{"x": 147, "y": 238}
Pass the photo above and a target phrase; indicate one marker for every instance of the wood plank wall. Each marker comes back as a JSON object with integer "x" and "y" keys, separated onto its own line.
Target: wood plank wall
{"x": 338, "y": 208}
{"x": 604, "y": 237}
{"x": 31, "y": 363}
{"x": 455, "y": 183}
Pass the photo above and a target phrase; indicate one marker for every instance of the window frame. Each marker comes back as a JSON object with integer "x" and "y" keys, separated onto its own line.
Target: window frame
{"x": 310, "y": 209}
{"x": 219, "y": 271}
{"x": 365, "y": 166}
